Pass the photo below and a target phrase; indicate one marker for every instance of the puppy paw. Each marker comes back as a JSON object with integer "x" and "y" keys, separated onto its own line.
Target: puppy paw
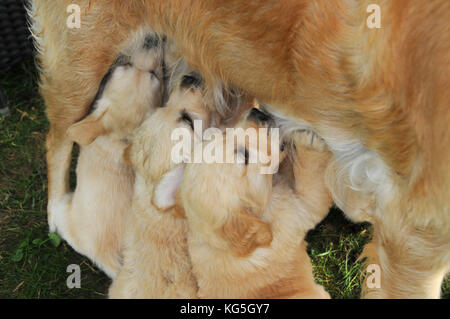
{"x": 50, "y": 217}
{"x": 307, "y": 139}
{"x": 57, "y": 211}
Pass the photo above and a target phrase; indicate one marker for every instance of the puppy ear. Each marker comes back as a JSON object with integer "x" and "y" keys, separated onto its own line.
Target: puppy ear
{"x": 244, "y": 233}
{"x": 87, "y": 130}
{"x": 165, "y": 191}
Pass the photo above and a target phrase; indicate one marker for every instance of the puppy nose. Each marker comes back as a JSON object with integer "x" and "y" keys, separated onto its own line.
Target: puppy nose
{"x": 152, "y": 41}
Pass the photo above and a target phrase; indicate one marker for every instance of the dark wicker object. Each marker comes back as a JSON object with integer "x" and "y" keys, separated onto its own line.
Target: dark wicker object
{"x": 15, "y": 39}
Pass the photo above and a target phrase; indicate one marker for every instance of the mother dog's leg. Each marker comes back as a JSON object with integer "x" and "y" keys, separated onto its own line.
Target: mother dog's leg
{"x": 405, "y": 262}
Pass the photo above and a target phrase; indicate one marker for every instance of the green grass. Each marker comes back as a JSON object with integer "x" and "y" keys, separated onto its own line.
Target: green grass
{"x": 30, "y": 264}
{"x": 334, "y": 247}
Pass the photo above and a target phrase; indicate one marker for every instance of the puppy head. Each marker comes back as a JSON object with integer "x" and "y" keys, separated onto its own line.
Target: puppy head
{"x": 153, "y": 152}
{"x": 125, "y": 95}
{"x": 225, "y": 201}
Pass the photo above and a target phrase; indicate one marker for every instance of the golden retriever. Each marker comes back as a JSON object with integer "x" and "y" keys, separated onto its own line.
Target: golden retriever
{"x": 377, "y": 96}
{"x": 156, "y": 261}
{"x": 246, "y": 237}
{"x": 92, "y": 218}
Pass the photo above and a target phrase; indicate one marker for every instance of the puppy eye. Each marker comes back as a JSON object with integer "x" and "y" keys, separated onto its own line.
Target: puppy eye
{"x": 283, "y": 147}
{"x": 192, "y": 79}
{"x": 154, "y": 74}
{"x": 185, "y": 117}
{"x": 259, "y": 116}
{"x": 125, "y": 66}
{"x": 244, "y": 152}
{"x": 123, "y": 60}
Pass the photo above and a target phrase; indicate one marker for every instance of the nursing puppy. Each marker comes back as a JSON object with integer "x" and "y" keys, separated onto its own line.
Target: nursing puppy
{"x": 156, "y": 260}
{"x": 92, "y": 218}
{"x": 378, "y": 97}
{"x": 245, "y": 235}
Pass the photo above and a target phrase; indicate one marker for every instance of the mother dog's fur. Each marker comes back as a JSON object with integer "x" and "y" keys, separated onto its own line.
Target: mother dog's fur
{"x": 378, "y": 97}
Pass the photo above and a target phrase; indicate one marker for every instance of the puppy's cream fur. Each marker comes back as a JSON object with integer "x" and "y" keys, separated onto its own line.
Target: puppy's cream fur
{"x": 92, "y": 218}
{"x": 245, "y": 236}
{"x": 378, "y": 97}
{"x": 156, "y": 259}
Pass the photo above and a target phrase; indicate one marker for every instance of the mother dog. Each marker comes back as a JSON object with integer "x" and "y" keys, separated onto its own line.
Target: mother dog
{"x": 378, "y": 97}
